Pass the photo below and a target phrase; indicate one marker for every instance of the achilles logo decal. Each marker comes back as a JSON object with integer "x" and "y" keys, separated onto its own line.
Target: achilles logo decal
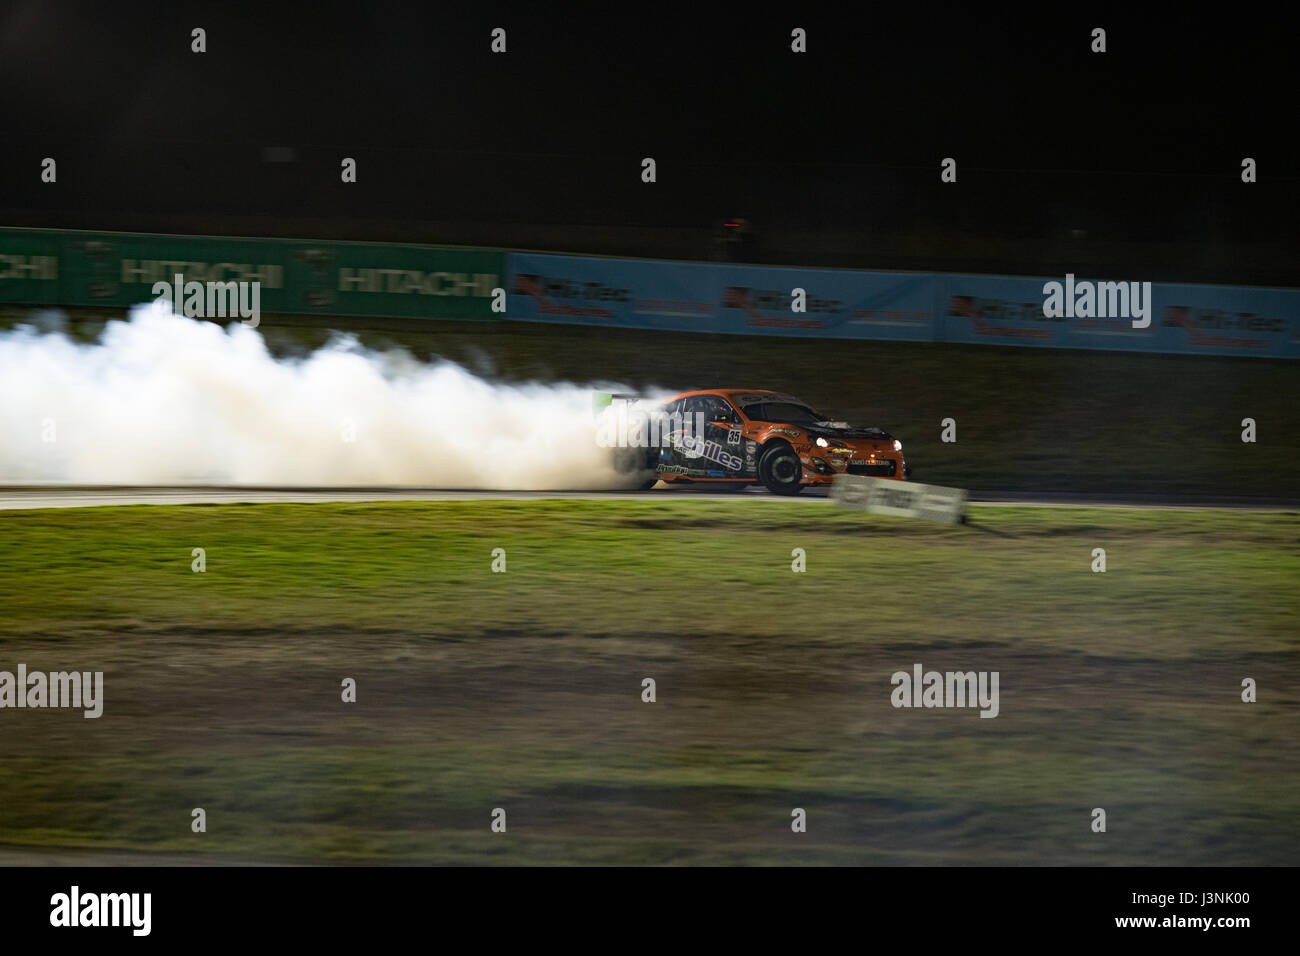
{"x": 710, "y": 451}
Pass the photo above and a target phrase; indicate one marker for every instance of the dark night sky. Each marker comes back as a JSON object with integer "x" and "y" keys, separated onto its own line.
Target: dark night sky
{"x": 555, "y": 128}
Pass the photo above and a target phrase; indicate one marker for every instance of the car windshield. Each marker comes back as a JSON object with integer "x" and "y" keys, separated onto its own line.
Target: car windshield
{"x": 790, "y": 412}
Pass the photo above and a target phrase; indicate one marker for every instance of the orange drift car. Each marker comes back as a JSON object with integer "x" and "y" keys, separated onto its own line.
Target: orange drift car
{"x": 739, "y": 436}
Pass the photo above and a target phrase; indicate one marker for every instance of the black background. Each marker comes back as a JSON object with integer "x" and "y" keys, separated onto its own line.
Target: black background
{"x": 916, "y": 908}
{"x": 1143, "y": 142}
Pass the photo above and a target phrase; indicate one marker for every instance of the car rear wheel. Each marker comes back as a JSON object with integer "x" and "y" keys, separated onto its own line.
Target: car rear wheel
{"x": 780, "y": 470}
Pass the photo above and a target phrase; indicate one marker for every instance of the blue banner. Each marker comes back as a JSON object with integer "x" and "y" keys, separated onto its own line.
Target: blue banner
{"x": 1100, "y": 314}
{"x": 707, "y": 297}
{"x": 1073, "y": 312}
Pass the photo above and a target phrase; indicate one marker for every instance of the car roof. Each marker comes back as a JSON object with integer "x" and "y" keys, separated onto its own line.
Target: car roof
{"x": 729, "y": 392}
{"x": 734, "y": 394}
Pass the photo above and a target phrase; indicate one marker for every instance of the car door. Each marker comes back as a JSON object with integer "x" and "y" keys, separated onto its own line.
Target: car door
{"x": 673, "y": 458}
{"x": 723, "y": 444}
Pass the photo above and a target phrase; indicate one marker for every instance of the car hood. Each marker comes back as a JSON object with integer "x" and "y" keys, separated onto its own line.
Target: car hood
{"x": 844, "y": 430}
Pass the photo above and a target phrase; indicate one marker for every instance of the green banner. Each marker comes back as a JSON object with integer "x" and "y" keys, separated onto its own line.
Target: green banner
{"x": 297, "y": 276}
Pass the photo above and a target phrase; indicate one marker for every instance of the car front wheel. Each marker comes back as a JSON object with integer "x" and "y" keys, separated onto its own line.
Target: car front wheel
{"x": 780, "y": 470}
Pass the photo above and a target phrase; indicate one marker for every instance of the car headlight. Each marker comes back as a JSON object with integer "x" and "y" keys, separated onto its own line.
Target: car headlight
{"x": 823, "y": 443}
{"x": 898, "y": 445}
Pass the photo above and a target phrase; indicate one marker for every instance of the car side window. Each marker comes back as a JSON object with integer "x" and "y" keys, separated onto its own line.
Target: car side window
{"x": 692, "y": 404}
{"x": 717, "y": 410}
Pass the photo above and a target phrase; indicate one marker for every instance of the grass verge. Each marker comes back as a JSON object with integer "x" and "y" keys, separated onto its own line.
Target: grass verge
{"x": 522, "y": 690}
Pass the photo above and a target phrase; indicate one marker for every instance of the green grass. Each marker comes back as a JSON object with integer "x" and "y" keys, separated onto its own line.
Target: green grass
{"x": 522, "y": 690}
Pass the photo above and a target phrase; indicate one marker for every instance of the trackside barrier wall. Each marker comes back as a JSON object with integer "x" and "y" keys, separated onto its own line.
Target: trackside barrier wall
{"x": 1185, "y": 319}
{"x": 303, "y": 277}
{"x": 709, "y": 297}
{"x": 906, "y": 306}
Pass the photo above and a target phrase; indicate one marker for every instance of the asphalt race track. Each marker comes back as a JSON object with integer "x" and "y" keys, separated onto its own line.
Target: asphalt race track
{"x": 31, "y": 497}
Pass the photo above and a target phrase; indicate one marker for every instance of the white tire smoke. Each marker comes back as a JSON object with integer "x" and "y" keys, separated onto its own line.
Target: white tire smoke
{"x": 163, "y": 400}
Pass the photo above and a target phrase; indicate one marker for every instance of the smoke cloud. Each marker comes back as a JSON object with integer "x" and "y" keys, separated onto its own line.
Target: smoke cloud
{"x": 163, "y": 400}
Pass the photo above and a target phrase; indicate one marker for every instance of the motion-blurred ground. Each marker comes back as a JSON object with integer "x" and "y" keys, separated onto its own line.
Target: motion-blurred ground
{"x": 522, "y": 690}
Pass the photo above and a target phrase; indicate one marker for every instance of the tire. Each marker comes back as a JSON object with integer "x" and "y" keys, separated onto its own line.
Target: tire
{"x": 635, "y": 467}
{"x": 780, "y": 470}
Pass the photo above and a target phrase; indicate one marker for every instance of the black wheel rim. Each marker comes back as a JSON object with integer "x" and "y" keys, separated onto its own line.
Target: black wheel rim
{"x": 785, "y": 469}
